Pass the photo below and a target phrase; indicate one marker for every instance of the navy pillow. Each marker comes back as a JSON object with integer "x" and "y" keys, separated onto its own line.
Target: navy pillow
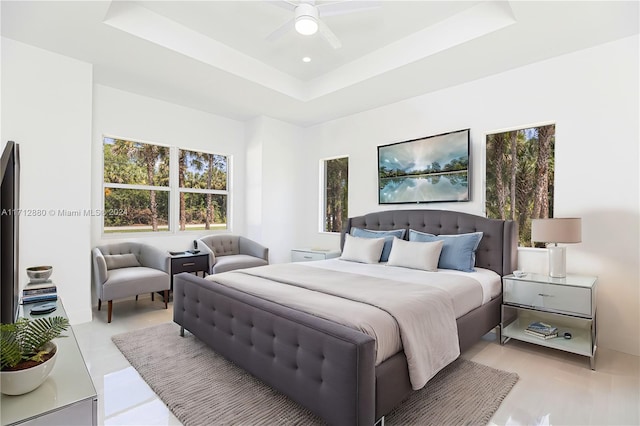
{"x": 458, "y": 251}
{"x": 387, "y": 235}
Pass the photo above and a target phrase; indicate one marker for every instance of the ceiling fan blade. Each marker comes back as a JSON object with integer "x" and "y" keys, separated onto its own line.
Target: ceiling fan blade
{"x": 285, "y": 4}
{"x": 345, "y": 7}
{"x": 280, "y": 31}
{"x": 329, "y": 35}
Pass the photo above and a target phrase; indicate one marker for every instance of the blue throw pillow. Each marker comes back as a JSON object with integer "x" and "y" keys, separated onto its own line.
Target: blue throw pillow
{"x": 387, "y": 235}
{"x": 458, "y": 251}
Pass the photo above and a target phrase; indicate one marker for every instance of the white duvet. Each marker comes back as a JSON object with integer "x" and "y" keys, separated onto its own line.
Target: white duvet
{"x": 466, "y": 296}
{"x": 398, "y": 314}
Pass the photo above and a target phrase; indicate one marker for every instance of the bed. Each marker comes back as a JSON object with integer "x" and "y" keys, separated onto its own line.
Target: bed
{"x": 325, "y": 366}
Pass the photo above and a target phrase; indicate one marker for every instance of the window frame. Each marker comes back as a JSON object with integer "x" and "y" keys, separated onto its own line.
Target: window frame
{"x": 323, "y": 192}
{"x": 485, "y": 161}
{"x": 185, "y": 190}
{"x": 173, "y": 190}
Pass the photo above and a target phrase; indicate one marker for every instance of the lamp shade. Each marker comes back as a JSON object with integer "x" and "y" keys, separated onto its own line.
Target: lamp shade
{"x": 557, "y": 230}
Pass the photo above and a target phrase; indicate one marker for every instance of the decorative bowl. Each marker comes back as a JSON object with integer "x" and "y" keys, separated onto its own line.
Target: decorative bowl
{"x": 519, "y": 274}
{"x": 39, "y": 274}
{"x": 22, "y": 381}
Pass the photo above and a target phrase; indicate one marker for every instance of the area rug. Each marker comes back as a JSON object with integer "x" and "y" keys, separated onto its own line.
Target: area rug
{"x": 202, "y": 388}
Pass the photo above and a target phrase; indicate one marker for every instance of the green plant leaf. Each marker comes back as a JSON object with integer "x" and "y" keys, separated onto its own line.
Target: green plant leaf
{"x": 25, "y": 338}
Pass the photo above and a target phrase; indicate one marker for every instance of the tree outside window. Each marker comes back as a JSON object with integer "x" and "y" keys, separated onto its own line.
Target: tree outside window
{"x": 336, "y": 193}
{"x": 136, "y": 186}
{"x": 202, "y": 182}
{"x": 138, "y": 195}
{"x": 520, "y": 176}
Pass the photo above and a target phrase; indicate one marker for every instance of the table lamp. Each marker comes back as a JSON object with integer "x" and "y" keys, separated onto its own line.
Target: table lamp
{"x": 557, "y": 230}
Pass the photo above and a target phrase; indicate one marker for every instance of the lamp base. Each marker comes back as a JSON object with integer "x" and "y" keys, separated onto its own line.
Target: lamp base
{"x": 557, "y": 262}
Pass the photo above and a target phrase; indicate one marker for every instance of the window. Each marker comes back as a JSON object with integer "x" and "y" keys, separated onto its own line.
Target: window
{"x": 336, "y": 193}
{"x": 202, "y": 182}
{"x": 519, "y": 177}
{"x": 136, "y": 186}
{"x": 139, "y": 194}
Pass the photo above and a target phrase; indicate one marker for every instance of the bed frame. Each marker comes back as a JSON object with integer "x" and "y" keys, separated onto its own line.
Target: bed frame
{"x": 327, "y": 367}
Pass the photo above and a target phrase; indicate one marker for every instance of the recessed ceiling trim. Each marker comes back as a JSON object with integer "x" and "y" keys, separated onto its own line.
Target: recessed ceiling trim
{"x": 472, "y": 23}
{"x": 148, "y": 25}
{"x": 467, "y": 25}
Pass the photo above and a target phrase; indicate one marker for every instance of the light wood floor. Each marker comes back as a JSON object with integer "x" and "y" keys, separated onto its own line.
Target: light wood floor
{"x": 555, "y": 388}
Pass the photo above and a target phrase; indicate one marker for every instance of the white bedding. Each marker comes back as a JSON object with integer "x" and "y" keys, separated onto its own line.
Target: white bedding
{"x": 465, "y": 297}
{"x": 398, "y": 315}
{"x": 401, "y": 307}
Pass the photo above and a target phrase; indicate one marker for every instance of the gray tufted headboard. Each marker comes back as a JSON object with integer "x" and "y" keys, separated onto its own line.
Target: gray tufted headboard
{"x": 498, "y": 249}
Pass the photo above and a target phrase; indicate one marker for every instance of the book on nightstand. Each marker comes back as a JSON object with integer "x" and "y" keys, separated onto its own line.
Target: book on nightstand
{"x": 541, "y": 330}
{"x": 540, "y": 335}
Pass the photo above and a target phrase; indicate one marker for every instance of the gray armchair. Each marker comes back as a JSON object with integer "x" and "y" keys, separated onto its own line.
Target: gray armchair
{"x": 129, "y": 269}
{"x": 228, "y": 252}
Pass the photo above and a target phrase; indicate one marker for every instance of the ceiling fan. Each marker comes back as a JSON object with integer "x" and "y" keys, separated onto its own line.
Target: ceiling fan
{"x": 307, "y": 17}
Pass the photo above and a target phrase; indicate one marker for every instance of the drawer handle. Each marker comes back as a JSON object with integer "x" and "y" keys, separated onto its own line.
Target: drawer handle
{"x": 545, "y": 295}
{"x": 307, "y": 257}
{"x": 189, "y": 264}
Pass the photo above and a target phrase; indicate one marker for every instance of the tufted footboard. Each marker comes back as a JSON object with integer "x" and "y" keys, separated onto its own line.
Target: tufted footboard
{"x": 326, "y": 367}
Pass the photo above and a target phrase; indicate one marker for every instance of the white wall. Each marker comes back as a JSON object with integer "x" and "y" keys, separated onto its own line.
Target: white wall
{"x": 46, "y": 108}
{"x": 52, "y": 109}
{"x": 591, "y": 95}
{"x": 127, "y": 115}
{"x": 272, "y": 149}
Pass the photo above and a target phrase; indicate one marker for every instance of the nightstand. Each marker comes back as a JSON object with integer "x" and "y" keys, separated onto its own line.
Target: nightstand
{"x": 305, "y": 255}
{"x": 189, "y": 262}
{"x": 566, "y": 303}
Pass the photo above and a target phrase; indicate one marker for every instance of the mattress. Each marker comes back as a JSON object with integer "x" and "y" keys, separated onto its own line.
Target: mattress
{"x": 464, "y": 291}
{"x": 416, "y": 318}
{"x": 465, "y": 296}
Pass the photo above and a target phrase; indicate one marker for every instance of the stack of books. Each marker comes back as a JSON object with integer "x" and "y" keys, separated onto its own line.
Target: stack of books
{"x": 541, "y": 330}
{"x": 40, "y": 292}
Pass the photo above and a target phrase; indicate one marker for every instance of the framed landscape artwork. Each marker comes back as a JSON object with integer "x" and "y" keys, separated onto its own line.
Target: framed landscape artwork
{"x": 426, "y": 170}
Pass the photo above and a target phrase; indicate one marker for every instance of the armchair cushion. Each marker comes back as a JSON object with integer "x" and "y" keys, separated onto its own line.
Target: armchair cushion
{"x": 237, "y": 261}
{"x": 117, "y": 261}
{"x": 126, "y": 282}
{"x": 228, "y": 252}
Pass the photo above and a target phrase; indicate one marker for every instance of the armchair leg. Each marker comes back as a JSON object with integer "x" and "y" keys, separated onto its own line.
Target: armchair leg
{"x": 152, "y": 296}
{"x": 109, "y": 310}
{"x": 166, "y": 299}
{"x": 99, "y": 303}
{"x": 136, "y": 297}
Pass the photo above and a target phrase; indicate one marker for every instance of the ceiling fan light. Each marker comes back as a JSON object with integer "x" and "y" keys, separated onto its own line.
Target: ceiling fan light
{"x": 306, "y": 22}
{"x": 306, "y": 25}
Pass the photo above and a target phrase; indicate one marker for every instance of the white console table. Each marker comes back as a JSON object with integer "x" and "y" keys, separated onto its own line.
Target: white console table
{"x": 67, "y": 397}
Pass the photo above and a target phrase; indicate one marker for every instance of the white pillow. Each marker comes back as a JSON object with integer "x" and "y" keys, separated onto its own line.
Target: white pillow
{"x": 415, "y": 255}
{"x": 363, "y": 250}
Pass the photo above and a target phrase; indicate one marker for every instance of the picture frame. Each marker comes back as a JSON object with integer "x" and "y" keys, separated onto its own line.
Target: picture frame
{"x": 426, "y": 170}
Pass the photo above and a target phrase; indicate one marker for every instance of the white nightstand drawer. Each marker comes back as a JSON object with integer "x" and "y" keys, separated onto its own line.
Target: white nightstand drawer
{"x": 305, "y": 255}
{"x": 558, "y": 298}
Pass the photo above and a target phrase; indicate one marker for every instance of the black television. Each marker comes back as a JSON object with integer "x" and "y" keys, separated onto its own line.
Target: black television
{"x": 9, "y": 218}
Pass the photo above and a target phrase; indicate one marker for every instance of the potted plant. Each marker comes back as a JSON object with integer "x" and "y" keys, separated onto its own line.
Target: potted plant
{"x": 27, "y": 353}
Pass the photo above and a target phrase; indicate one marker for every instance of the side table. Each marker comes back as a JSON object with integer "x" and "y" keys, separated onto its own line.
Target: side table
{"x": 569, "y": 304}
{"x": 189, "y": 262}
